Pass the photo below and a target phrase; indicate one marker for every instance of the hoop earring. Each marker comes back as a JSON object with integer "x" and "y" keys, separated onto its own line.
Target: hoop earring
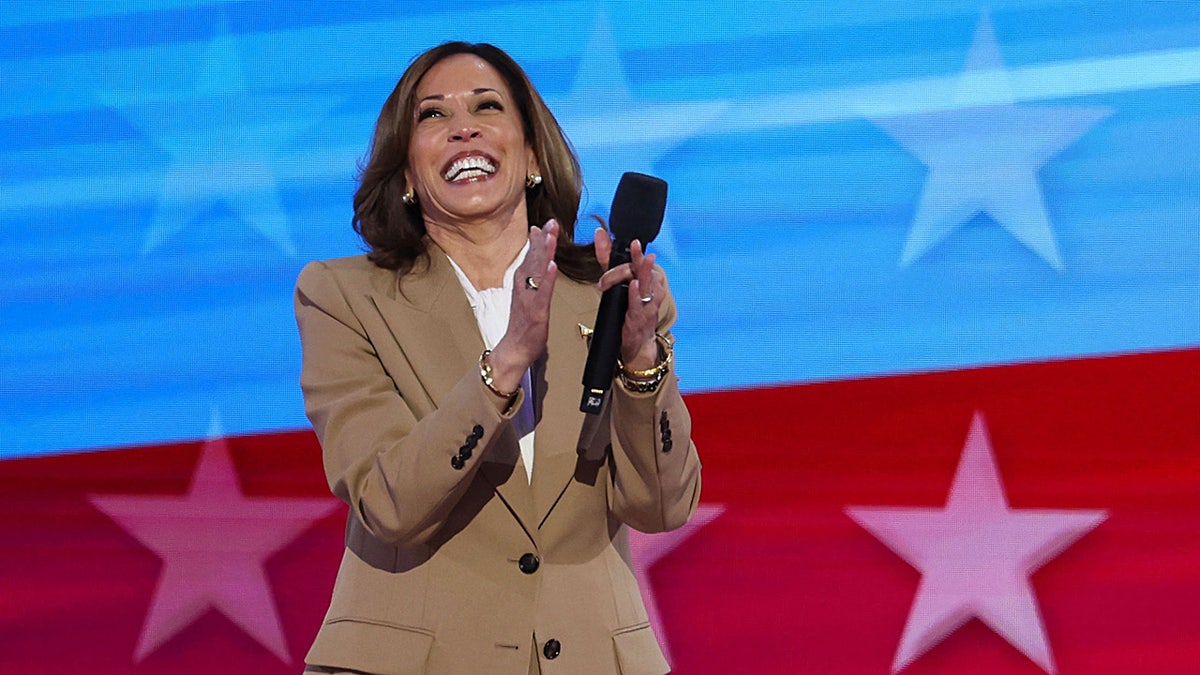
{"x": 409, "y": 198}
{"x": 533, "y": 180}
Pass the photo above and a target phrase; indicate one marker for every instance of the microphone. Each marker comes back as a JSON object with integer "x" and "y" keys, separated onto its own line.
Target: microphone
{"x": 637, "y": 213}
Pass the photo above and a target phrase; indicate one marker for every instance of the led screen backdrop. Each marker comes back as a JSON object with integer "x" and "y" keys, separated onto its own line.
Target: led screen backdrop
{"x": 938, "y": 273}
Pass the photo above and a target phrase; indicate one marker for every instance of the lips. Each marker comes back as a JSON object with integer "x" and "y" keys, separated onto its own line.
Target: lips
{"x": 471, "y": 166}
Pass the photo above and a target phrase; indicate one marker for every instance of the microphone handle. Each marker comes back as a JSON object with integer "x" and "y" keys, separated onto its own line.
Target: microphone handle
{"x": 606, "y": 338}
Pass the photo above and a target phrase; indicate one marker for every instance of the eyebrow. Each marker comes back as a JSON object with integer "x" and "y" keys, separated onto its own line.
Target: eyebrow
{"x": 474, "y": 92}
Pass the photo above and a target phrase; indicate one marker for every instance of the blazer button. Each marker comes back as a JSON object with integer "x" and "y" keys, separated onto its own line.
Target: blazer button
{"x": 552, "y": 648}
{"x": 457, "y": 462}
{"x": 529, "y": 564}
{"x": 667, "y": 445}
{"x": 477, "y": 431}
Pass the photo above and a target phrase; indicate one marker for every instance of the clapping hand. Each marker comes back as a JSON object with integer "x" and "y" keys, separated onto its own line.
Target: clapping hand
{"x": 529, "y": 316}
{"x": 647, "y": 288}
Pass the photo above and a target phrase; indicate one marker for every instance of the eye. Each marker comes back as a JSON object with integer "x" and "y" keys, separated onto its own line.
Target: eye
{"x": 426, "y": 113}
{"x": 491, "y": 104}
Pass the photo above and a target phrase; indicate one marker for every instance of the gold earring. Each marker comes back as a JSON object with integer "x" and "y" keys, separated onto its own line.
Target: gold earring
{"x": 533, "y": 180}
{"x": 409, "y": 198}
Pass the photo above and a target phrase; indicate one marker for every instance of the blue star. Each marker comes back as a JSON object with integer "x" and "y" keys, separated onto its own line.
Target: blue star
{"x": 224, "y": 146}
{"x": 614, "y": 133}
{"x": 984, "y": 154}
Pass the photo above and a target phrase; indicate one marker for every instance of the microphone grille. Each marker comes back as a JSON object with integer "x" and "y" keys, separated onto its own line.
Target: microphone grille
{"x": 638, "y": 207}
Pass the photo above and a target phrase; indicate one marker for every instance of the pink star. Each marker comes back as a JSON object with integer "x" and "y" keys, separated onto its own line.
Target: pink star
{"x": 975, "y": 556}
{"x": 213, "y": 542}
{"x": 647, "y": 549}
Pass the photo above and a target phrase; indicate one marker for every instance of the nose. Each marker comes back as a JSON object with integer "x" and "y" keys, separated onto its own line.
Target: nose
{"x": 465, "y": 134}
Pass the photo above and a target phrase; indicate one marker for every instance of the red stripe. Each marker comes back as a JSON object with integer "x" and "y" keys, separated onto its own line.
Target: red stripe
{"x": 781, "y": 582}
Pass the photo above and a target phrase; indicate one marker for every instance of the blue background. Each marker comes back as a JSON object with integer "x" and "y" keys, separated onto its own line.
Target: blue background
{"x": 857, "y": 189}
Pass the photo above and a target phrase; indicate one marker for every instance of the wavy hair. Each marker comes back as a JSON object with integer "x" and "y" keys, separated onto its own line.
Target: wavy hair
{"x": 394, "y": 232}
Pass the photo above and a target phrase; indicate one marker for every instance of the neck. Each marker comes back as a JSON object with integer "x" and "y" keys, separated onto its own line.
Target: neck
{"x": 483, "y": 252}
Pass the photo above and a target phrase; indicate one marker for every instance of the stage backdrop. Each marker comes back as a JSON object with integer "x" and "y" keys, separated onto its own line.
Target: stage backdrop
{"x": 938, "y": 275}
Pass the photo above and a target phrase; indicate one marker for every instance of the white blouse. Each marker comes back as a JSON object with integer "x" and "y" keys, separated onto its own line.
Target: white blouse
{"x": 492, "y": 307}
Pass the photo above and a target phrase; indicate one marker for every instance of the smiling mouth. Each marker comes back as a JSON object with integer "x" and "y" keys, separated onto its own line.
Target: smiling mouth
{"x": 471, "y": 167}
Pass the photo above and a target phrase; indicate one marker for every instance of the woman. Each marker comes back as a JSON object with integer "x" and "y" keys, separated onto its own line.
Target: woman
{"x": 488, "y": 516}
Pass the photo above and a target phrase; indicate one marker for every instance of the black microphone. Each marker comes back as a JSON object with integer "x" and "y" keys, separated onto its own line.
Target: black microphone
{"x": 637, "y": 213}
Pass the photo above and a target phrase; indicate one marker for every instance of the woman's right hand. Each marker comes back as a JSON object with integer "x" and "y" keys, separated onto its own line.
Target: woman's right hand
{"x": 529, "y": 315}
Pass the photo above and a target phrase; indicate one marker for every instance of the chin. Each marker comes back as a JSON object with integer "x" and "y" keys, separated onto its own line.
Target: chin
{"x": 482, "y": 205}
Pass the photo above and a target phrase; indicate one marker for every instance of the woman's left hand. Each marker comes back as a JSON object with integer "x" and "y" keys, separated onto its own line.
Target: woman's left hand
{"x": 647, "y": 287}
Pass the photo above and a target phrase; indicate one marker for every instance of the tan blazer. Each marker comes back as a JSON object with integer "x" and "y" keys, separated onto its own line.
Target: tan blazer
{"x": 460, "y": 570}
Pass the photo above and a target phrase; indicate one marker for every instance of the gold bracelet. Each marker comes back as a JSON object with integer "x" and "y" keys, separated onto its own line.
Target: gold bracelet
{"x": 666, "y": 353}
{"x": 646, "y": 381}
{"x": 641, "y": 386}
{"x": 485, "y": 373}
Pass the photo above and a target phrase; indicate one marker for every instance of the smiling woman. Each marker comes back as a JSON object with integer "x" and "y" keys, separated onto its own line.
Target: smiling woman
{"x": 395, "y": 227}
{"x": 442, "y": 364}
{"x": 468, "y": 161}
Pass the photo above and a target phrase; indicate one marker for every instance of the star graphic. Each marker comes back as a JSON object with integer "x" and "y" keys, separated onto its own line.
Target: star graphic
{"x": 648, "y": 549}
{"x": 224, "y": 144}
{"x": 614, "y": 133}
{"x": 984, "y": 154}
{"x": 213, "y": 542}
{"x": 975, "y": 556}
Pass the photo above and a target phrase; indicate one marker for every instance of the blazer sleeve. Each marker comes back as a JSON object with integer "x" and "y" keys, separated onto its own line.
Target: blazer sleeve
{"x": 655, "y": 476}
{"x": 393, "y": 470}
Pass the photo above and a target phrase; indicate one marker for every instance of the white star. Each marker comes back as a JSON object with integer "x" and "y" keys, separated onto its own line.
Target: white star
{"x": 975, "y": 556}
{"x": 213, "y": 542}
{"x": 224, "y": 145}
{"x": 984, "y": 156}
{"x": 614, "y": 133}
{"x": 647, "y": 549}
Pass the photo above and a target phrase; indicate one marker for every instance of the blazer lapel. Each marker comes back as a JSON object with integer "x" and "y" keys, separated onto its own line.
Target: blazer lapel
{"x": 430, "y": 316}
{"x": 559, "y": 385}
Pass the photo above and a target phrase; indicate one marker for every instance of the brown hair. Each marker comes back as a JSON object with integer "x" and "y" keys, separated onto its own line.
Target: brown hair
{"x": 395, "y": 232}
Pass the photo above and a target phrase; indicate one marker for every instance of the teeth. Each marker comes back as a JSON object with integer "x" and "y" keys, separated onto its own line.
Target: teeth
{"x": 472, "y": 166}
